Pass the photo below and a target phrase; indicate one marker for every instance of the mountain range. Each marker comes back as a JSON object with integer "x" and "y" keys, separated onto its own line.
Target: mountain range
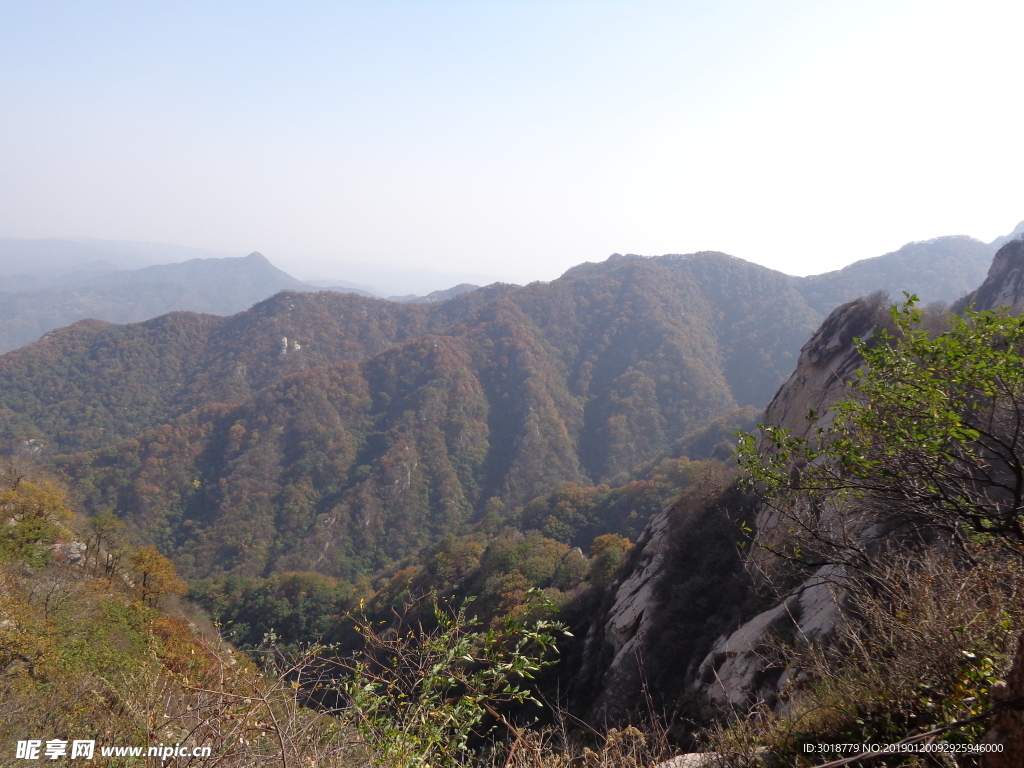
{"x": 321, "y": 450}
{"x": 337, "y": 432}
{"x": 47, "y": 284}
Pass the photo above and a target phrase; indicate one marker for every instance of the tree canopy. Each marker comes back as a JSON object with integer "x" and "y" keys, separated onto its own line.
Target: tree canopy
{"x": 930, "y": 439}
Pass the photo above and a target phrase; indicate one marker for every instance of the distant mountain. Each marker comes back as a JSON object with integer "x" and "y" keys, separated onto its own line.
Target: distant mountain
{"x": 216, "y": 286}
{"x": 48, "y": 284}
{"x": 387, "y": 280}
{"x": 999, "y": 242}
{"x": 342, "y": 287}
{"x": 55, "y": 256}
{"x": 943, "y": 269}
{"x": 34, "y": 304}
{"x": 444, "y": 295}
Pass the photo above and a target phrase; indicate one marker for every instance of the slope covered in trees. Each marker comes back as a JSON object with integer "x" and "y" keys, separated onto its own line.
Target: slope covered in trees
{"x": 340, "y": 433}
{"x": 942, "y": 269}
{"x": 34, "y": 304}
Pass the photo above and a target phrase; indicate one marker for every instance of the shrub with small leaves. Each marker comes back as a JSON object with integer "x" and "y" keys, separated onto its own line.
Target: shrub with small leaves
{"x": 417, "y": 696}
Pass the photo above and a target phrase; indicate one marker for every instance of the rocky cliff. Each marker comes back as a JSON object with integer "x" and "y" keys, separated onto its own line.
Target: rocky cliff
{"x": 671, "y": 566}
{"x": 731, "y": 670}
{"x": 736, "y": 673}
{"x": 685, "y": 586}
{"x": 1004, "y": 286}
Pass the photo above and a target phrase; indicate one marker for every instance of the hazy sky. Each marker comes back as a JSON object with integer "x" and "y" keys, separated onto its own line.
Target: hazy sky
{"x": 512, "y": 138}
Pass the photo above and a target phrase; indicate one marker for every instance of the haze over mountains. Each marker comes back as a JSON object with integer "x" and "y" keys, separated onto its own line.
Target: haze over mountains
{"x": 51, "y": 284}
{"x": 338, "y": 432}
{"x": 47, "y": 284}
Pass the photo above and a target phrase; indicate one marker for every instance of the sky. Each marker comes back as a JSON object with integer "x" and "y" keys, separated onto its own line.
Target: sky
{"x": 512, "y": 140}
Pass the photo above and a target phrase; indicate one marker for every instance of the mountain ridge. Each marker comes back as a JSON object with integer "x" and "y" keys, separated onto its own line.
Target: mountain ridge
{"x": 316, "y": 407}
{"x": 500, "y": 393}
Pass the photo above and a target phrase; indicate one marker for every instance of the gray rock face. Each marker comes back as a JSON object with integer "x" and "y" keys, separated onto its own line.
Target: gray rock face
{"x": 739, "y": 672}
{"x": 1004, "y": 286}
{"x": 627, "y": 627}
{"x": 735, "y": 673}
{"x": 827, "y": 362}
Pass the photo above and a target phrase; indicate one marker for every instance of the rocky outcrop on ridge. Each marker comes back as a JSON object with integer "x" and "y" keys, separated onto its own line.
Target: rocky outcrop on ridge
{"x": 685, "y": 587}
{"x": 736, "y": 674}
{"x": 1004, "y": 286}
{"x": 627, "y": 627}
{"x": 827, "y": 362}
{"x": 731, "y": 668}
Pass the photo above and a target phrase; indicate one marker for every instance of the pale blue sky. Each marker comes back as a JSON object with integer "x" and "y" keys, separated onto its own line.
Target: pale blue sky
{"x": 512, "y": 138}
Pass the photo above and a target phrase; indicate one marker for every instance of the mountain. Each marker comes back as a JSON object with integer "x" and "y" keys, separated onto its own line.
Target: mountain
{"x": 391, "y": 280}
{"x": 46, "y": 284}
{"x": 999, "y": 242}
{"x": 1004, "y": 285}
{"x": 943, "y": 269}
{"x": 341, "y": 287}
{"x": 339, "y": 432}
{"x": 356, "y": 437}
{"x": 33, "y": 304}
{"x": 398, "y": 422}
{"x": 444, "y": 295}
{"x": 54, "y": 256}
{"x": 657, "y": 633}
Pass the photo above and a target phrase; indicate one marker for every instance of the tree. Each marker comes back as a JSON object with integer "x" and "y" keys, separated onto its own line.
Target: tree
{"x": 154, "y": 575}
{"x": 33, "y": 517}
{"x": 106, "y": 542}
{"x": 929, "y": 440}
{"x": 607, "y": 553}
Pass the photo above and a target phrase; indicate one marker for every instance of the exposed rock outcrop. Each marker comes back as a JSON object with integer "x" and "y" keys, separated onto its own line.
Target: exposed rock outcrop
{"x": 1004, "y": 286}
{"x": 827, "y": 362}
{"x": 734, "y": 670}
{"x": 626, "y": 629}
{"x": 684, "y": 587}
{"x": 738, "y": 673}
{"x": 674, "y": 557}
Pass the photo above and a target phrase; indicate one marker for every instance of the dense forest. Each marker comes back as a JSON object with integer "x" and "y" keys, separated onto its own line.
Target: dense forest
{"x": 338, "y": 433}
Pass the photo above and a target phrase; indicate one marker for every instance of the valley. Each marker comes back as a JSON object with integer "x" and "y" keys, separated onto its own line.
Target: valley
{"x": 321, "y": 450}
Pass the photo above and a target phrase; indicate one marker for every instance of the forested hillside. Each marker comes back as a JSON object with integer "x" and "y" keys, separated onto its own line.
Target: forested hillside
{"x": 319, "y": 451}
{"x": 34, "y": 303}
{"x": 339, "y": 432}
{"x": 942, "y": 269}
